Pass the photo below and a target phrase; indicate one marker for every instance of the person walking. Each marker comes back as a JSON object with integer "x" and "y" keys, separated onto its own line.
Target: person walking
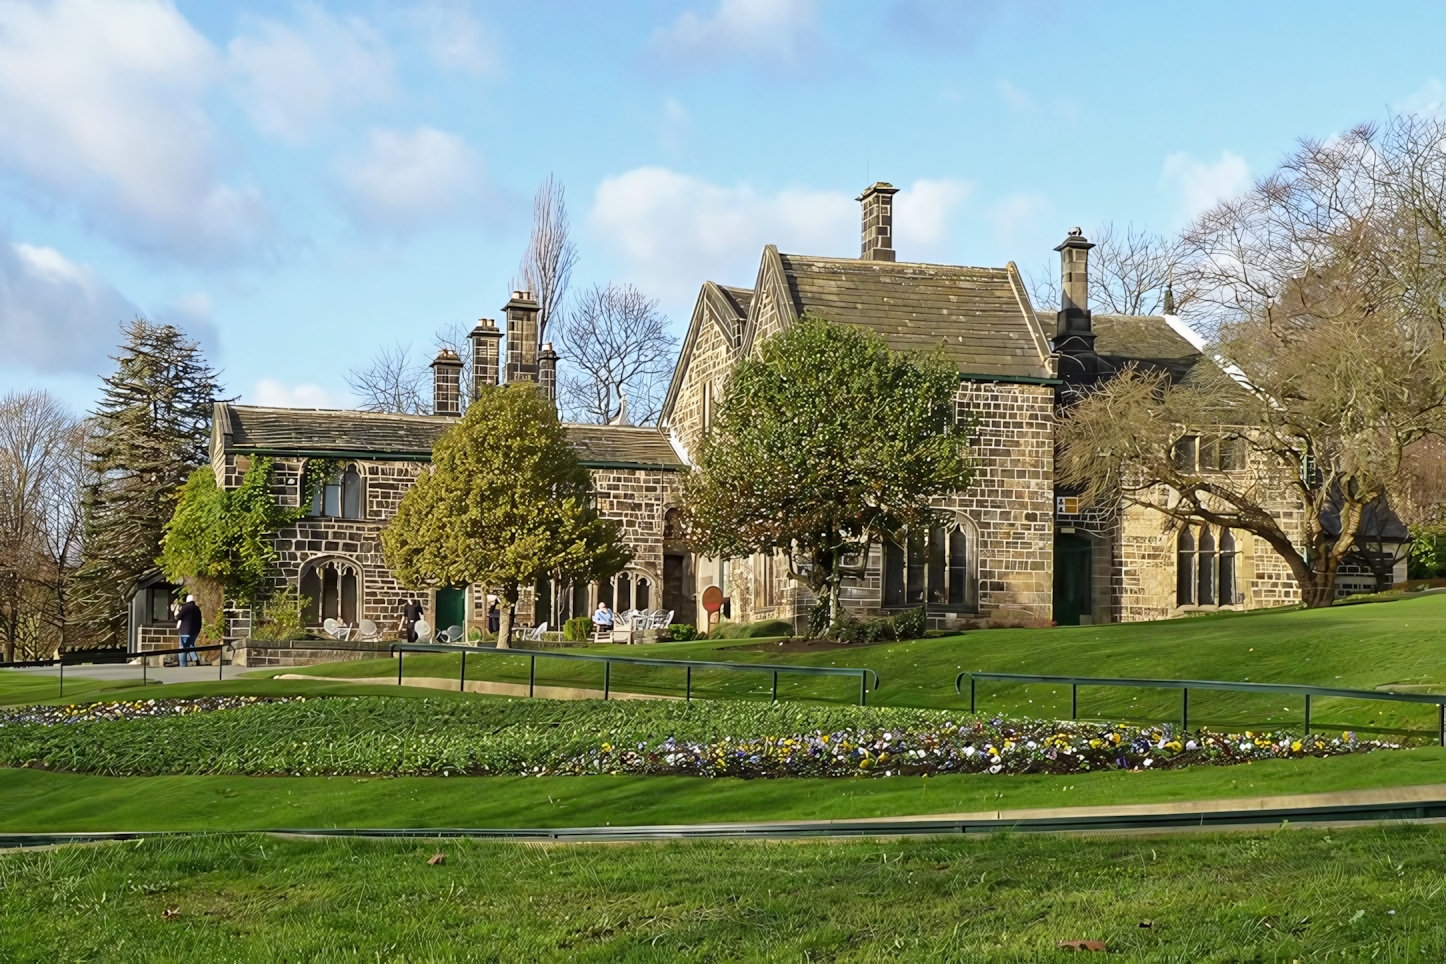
{"x": 411, "y": 615}
{"x": 188, "y": 625}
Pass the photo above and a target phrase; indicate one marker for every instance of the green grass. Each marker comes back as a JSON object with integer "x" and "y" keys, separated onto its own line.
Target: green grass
{"x": 1296, "y": 895}
{"x": 1357, "y": 647}
{"x": 36, "y": 800}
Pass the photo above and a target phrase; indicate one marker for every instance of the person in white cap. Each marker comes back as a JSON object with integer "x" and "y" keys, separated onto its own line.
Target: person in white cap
{"x": 188, "y": 624}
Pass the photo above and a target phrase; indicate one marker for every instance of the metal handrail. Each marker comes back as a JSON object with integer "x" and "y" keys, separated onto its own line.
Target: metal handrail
{"x": 863, "y": 673}
{"x": 1186, "y": 685}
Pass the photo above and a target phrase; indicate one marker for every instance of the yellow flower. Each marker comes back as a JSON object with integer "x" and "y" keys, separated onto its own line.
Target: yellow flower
{"x": 1295, "y": 747}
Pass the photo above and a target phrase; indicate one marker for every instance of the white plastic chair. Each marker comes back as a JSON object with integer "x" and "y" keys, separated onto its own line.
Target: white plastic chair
{"x": 335, "y": 629}
{"x": 533, "y": 635}
{"x": 452, "y": 634}
{"x": 423, "y": 629}
{"x": 368, "y": 632}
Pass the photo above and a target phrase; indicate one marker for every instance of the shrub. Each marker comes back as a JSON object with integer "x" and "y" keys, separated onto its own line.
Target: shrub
{"x": 681, "y": 632}
{"x": 279, "y": 618}
{"x": 910, "y": 624}
{"x": 577, "y": 630}
{"x": 766, "y": 627}
{"x": 851, "y": 629}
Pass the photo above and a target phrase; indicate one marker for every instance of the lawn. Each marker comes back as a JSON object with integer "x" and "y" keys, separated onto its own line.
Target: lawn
{"x": 1356, "y": 647}
{"x": 39, "y": 801}
{"x": 1289, "y": 895}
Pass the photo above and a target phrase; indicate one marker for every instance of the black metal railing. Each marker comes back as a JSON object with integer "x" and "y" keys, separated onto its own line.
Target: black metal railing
{"x": 145, "y": 655}
{"x": 1186, "y": 685}
{"x": 863, "y": 673}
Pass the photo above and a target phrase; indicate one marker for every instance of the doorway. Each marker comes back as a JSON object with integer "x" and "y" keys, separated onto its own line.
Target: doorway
{"x": 451, "y": 608}
{"x": 1073, "y": 562}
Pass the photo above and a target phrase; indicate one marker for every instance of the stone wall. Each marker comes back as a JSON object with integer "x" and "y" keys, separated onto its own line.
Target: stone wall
{"x": 636, "y": 498}
{"x": 713, "y": 357}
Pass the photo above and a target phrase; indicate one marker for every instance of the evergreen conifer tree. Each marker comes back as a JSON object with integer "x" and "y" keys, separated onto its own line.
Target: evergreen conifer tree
{"x": 152, "y": 428}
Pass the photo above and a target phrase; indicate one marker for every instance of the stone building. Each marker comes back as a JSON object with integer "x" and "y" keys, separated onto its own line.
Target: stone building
{"x": 333, "y": 556}
{"x": 1014, "y": 548}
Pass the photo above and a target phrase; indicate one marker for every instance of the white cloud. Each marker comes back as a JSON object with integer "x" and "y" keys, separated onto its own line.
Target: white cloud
{"x": 676, "y": 231}
{"x": 292, "y": 78}
{"x": 100, "y": 106}
{"x": 455, "y": 38}
{"x": 1015, "y": 97}
{"x": 1200, "y": 185}
{"x": 55, "y": 315}
{"x": 277, "y": 394}
{"x": 408, "y": 178}
{"x": 923, "y": 214}
{"x": 1426, "y": 99}
{"x": 776, "y": 33}
{"x": 1014, "y": 214}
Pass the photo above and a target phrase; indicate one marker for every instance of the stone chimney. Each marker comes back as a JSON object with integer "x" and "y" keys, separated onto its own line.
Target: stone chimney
{"x": 521, "y": 314}
{"x": 878, "y": 233}
{"x": 447, "y": 384}
{"x": 547, "y": 371}
{"x": 486, "y": 355}
{"x": 1074, "y": 339}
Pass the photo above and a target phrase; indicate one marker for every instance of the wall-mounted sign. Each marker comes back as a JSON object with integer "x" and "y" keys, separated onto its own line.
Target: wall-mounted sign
{"x": 1066, "y": 505}
{"x": 712, "y": 599}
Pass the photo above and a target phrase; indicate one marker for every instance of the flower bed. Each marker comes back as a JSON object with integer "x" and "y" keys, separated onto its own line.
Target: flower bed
{"x": 385, "y": 735}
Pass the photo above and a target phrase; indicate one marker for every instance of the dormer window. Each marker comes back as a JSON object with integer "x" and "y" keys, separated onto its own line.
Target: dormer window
{"x": 340, "y": 497}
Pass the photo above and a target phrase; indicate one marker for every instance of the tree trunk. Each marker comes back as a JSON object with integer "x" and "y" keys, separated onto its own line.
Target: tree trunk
{"x": 833, "y": 591}
{"x": 508, "y": 604}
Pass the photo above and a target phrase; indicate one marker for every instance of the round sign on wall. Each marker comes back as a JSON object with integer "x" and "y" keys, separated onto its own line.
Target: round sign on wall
{"x": 712, "y": 599}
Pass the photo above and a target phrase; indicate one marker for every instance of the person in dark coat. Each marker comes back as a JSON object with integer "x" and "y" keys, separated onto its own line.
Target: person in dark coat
{"x": 494, "y": 615}
{"x": 411, "y": 614}
{"x": 188, "y": 625}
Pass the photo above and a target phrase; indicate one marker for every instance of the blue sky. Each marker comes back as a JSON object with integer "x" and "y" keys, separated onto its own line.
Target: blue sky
{"x": 301, "y": 184}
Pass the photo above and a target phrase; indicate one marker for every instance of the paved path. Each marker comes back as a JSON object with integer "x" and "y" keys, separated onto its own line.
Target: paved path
{"x": 118, "y": 671}
{"x": 487, "y": 686}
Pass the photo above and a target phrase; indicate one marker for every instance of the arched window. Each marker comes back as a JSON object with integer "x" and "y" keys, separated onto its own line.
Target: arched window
{"x": 341, "y": 497}
{"x": 1185, "y": 568}
{"x": 642, "y": 593}
{"x": 672, "y": 525}
{"x": 1226, "y": 586}
{"x": 624, "y": 592}
{"x": 332, "y": 589}
{"x": 935, "y": 564}
{"x": 1205, "y": 569}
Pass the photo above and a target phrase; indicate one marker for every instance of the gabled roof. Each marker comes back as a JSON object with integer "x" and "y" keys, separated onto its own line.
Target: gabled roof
{"x": 310, "y": 432}
{"x": 981, "y": 316}
{"x": 728, "y": 307}
{"x": 1150, "y": 341}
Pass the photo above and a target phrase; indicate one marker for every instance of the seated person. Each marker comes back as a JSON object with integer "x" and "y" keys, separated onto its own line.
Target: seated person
{"x": 602, "y": 620}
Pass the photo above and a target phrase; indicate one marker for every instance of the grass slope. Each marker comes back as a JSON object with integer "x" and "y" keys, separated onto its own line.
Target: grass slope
{"x": 1358, "y": 647}
{"x": 1307, "y": 895}
{"x": 38, "y": 801}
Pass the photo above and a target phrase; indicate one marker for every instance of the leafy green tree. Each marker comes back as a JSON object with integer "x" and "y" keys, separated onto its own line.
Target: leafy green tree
{"x": 825, "y": 441}
{"x": 151, "y": 429}
{"x": 504, "y": 504}
{"x": 225, "y": 536}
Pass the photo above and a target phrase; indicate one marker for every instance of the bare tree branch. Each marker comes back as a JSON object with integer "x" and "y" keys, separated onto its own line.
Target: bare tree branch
{"x": 614, "y": 341}
{"x": 550, "y": 256}
{"x": 1129, "y": 272}
{"x": 391, "y": 382}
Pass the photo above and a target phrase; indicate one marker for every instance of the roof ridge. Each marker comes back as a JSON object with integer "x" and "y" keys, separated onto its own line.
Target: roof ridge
{"x": 892, "y": 264}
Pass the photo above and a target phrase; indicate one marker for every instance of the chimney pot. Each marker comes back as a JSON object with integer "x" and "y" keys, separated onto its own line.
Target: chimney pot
{"x": 878, "y": 222}
{"x": 447, "y": 384}
{"x": 1074, "y": 337}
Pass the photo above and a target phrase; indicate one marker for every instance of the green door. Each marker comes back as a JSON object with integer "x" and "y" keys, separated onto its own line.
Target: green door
{"x": 451, "y": 608}
{"x": 1072, "y": 564}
